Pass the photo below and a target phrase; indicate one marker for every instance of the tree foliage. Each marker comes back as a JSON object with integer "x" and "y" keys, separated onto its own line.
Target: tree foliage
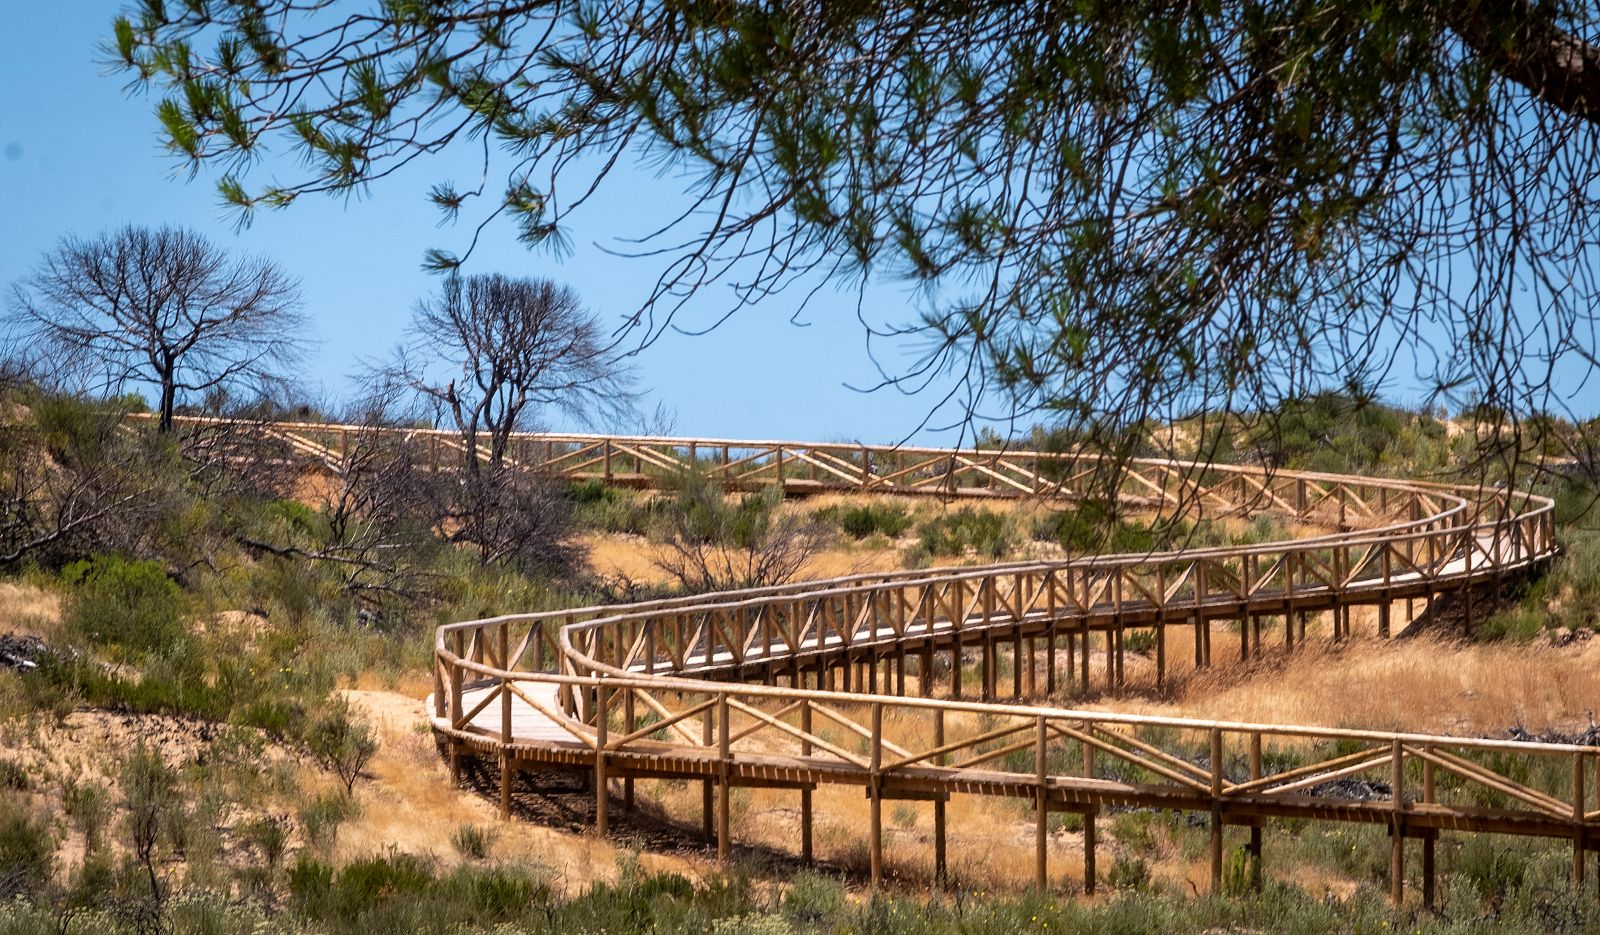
{"x": 1118, "y": 211}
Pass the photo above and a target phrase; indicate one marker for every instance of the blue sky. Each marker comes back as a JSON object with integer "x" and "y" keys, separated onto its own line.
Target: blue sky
{"x": 79, "y": 154}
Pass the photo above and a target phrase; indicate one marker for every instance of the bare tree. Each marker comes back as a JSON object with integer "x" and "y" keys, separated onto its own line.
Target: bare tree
{"x": 489, "y": 352}
{"x": 163, "y": 306}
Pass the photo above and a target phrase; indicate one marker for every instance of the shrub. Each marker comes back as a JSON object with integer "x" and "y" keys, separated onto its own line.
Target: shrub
{"x": 126, "y": 603}
{"x": 320, "y": 820}
{"x": 954, "y": 534}
{"x": 27, "y": 850}
{"x": 473, "y": 841}
{"x": 862, "y": 521}
{"x": 14, "y": 776}
{"x": 341, "y": 741}
{"x": 88, "y": 806}
{"x": 1128, "y": 873}
{"x": 269, "y": 836}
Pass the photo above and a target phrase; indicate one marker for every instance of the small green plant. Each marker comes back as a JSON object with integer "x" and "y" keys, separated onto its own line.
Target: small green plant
{"x": 473, "y": 841}
{"x": 320, "y": 819}
{"x": 88, "y": 806}
{"x": 14, "y": 776}
{"x": 268, "y": 836}
{"x": 1139, "y": 641}
{"x": 1129, "y": 873}
{"x": 27, "y": 850}
{"x": 904, "y": 816}
{"x": 1238, "y": 872}
{"x": 150, "y": 796}
{"x": 342, "y": 741}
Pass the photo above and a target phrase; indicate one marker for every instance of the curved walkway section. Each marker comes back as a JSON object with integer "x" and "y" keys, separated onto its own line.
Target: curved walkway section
{"x": 865, "y": 680}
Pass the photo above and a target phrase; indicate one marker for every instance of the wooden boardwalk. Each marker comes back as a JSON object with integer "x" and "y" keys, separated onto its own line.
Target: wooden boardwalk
{"x": 868, "y": 680}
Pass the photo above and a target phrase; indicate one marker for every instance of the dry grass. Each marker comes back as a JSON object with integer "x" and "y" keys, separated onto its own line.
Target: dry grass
{"x": 1424, "y": 684}
{"x": 29, "y": 611}
{"x": 410, "y": 805}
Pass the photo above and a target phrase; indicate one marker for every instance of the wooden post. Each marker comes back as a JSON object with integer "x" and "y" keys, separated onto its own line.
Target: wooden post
{"x": 1216, "y": 811}
{"x": 989, "y": 666}
{"x": 875, "y": 792}
{"x": 805, "y": 791}
{"x": 1016, "y": 661}
{"x": 1089, "y": 816}
{"x": 939, "y": 875}
{"x": 1161, "y": 652}
{"x": 1578, "y": 801}
{"x": 1397, "y": 844}
{"x": 1427, "y": 842}
{"x": 629, "y": 721}
{"x": 1255, "y": 829}
{"x": 955, "y": 662}
{"x": 706, "y": 804}
{"x": 1041, "y": 827}
{"x": 724, "y": 787}
{"x": 1050, "y": 659}
{"x": 602, "y": 800}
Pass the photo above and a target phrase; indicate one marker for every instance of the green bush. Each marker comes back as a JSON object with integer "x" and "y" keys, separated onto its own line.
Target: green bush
{"x": 27, "y": 850}
{"x": 862, "y": 521}
{"x": 342, "y": 741}
{"x": 954, "y": 534}
{"x": 129, "y": 604}
{"x": 472, "y": 841}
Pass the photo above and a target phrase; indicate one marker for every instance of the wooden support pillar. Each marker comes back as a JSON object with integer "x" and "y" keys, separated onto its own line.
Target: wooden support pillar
{"x": 1050, "y": 659}
{"x": 629, "y": 723}
{"x": 724, "y": 786}
{"x": 1033, "y": 667}
{"x": 602, "y": 797}
{"x": 1041, "y": 818}
{"x": 1244, "y": 638}
{"x": 1397, "y": 843}
{"x": 1016, "y": 661}
{"x": 1083, "y": 664}
{"x": 1216, "y": 811}
{"x": 955, "y": 666}
{"x": 1072, "y": 660}
{"x": 707, "y": 806}
{"x": 1383, "y": 620}
{"x": 875, "y": 794}
{"x": 1254, "y": 848}
{"x": 925, "y": 675}
{"x": 1427, "y": 872}
{"x": 505, "y": 784}
{"x": 900, "y": 668}
{"x": 988, "y": 666}
{"x": 805, "y": 791}
{"x": 1088, "y": 851}
{"x": 1578, "y": 803}
{"x": 940, "y": 877}
{"x": 1161, "y": 654}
